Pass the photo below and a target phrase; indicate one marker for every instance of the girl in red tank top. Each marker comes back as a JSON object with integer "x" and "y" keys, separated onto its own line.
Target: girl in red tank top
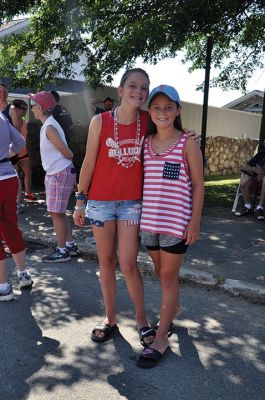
{"x": 112, "y": 170}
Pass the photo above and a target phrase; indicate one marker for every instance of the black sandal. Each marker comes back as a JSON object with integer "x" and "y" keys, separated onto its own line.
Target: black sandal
{"x": 145, "y": 332}
{"x": 102, "y": 328}
{"x": 150, "y": 357}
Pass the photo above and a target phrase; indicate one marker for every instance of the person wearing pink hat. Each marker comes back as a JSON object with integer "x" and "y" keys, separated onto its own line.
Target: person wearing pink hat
{"x": 60, "y": 176}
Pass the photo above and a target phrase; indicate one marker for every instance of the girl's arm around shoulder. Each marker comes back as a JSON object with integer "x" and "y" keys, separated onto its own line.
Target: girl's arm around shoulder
{"x": 194, "y": 158}
{"x": 54, "y": 137}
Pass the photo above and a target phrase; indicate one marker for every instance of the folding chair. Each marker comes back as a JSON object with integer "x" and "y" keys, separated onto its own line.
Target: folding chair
{"x": 255, "y": 189}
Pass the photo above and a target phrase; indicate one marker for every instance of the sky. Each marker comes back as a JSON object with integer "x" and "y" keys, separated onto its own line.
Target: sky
{"x": 173, "y": 72}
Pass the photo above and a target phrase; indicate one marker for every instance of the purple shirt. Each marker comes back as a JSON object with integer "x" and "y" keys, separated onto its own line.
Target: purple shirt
{"x": 10, "y": 139}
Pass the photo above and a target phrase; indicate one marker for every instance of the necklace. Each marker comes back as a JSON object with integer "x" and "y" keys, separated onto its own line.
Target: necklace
{"x": 129, "y": 160}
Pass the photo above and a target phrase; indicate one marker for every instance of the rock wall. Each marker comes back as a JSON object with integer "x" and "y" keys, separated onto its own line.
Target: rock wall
{"x": 225, "y": 156}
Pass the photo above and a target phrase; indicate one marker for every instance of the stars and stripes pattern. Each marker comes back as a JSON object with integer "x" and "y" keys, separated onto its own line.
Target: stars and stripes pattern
{"x": 167, "y": 194}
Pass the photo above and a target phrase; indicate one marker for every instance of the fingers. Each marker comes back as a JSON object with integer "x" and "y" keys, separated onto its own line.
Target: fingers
{"x": 79, "y": 218}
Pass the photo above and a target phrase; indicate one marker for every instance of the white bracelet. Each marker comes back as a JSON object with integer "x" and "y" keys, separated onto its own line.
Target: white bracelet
{"x": 80, "y": 208}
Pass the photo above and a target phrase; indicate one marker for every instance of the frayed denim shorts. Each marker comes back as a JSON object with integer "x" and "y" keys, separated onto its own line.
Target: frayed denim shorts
{"x": 98, "y": 211}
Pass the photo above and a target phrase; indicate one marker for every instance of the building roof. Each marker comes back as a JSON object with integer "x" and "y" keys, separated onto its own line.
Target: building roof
{"x": 244, "y": 98}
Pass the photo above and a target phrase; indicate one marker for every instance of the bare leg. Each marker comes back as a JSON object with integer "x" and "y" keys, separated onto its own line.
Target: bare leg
{"x": 3, "y": 273}
{"x": 169, "y": 274}
{"x": 262, "y": 194}
{"x": 106, "y": 247}
{"x": 155, "y": 255}
{"x": 245, "y": 182}
{"x": 128, "y": 245}
{"x": 25, "y": 166}
{"x": 20, "y": 260}
{"x": 19, "y": 186}
{"x": 61, "y": 226}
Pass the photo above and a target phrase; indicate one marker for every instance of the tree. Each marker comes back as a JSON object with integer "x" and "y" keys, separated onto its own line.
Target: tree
{"x": 112, "y": 34}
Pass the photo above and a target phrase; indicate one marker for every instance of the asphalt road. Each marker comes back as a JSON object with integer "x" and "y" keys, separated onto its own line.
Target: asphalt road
{"x": 217, "y": 349}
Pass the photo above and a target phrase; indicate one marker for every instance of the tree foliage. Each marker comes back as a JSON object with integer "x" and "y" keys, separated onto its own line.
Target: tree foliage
{"x": 111, "y": 34}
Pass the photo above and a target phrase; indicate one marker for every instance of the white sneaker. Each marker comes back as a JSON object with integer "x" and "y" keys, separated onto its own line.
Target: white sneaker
{"x": 7, "y": 294}
{"x": 24, "y": 280}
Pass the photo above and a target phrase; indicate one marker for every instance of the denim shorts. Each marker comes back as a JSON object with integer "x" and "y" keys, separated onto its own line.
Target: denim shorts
{"x": 98, "y": 211}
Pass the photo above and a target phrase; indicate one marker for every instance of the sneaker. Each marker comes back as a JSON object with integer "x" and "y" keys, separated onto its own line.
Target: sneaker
{"x": 241, "y": 213}
{"x": 19, "y": 208}
{"x": 7, "y": 294}
{"x": 24, "y": 280}
{"x": 30, "y": 197}
{"x": 73, "y": 250}
{"x": 260, "y": 214}
{"x": 56, "y": 256}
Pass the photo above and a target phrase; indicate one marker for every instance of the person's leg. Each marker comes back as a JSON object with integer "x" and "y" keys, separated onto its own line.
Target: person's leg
{"x": 19, "y": 190}
{"x": 3, "y": 273}
{"x": 105, "y": 238}
{"x": 245, "y": 182}
{"x": 10, "y": 231}
{"x": 26, "y": 168}
{"x": 11, "y": 234}
{"x": 260, "y": 210}
{"x": 155, "y": 255}
{"x": 58, "y": 190}
{"x": 156, "y": 258}
{"x": 60, "y": 227}
{"x": 169, "y": 281}
{"x": 262, "y": 194}
{"x": 128, "y": 245}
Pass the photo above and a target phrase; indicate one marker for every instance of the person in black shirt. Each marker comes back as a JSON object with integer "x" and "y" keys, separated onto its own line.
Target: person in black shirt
{"x": 108, "y": 106}
{"x": 254, "y": 169}
{"x": 62, "y": 115}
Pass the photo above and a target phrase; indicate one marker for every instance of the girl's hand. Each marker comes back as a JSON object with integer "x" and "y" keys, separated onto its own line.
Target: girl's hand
{"x": 192, "y": 233}
{"x": 79, "y": 217}
{"x": 192, "y": 134}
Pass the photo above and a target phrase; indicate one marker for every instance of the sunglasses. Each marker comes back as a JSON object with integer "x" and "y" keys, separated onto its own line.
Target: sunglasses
{"x": 23, "y": 108}
{"x": 32, "y": 104}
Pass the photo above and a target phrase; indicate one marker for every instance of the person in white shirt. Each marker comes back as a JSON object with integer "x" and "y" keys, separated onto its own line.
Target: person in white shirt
{"x": 60, "y": 176}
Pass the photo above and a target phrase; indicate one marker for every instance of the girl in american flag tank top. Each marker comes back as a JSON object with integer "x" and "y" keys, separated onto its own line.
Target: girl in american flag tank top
{"x": 172, "y": 206}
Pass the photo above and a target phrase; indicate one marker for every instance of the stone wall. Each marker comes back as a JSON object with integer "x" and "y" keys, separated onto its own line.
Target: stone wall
{"x": 225, "y": 156}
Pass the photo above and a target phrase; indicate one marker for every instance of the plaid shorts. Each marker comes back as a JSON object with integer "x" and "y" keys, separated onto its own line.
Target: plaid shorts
{"x": 58, "y": 189}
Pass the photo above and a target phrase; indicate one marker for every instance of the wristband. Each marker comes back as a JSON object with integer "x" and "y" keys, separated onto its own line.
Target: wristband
{"x": 80, "y": 196}
{"x": 80, "y": 208}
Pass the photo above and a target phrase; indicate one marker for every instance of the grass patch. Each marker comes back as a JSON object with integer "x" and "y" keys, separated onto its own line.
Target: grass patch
{"x": 220, "y": 191}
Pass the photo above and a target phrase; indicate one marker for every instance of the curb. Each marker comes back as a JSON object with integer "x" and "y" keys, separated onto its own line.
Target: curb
{"x": 249, "y": 291}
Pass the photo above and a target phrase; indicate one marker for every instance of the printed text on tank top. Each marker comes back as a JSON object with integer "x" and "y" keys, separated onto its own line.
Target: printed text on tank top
{"x": 126, "y": 151}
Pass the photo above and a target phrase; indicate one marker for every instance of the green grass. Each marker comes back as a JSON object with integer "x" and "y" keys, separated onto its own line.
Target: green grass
{"x": 220, "y": 191}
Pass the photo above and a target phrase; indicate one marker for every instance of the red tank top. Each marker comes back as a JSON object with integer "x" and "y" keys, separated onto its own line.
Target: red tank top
{"x": 118, "y": 173}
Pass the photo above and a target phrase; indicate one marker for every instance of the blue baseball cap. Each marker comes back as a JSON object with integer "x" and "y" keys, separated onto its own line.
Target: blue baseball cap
{"x": 169, "y": 91}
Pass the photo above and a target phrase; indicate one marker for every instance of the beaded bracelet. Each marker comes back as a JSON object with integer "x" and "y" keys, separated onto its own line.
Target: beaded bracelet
{"x": 80, "y": 208}
{"x": 80, "y": 196}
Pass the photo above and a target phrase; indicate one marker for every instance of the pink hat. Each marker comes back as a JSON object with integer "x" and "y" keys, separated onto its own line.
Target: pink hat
{"x": 43, "y": 99}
